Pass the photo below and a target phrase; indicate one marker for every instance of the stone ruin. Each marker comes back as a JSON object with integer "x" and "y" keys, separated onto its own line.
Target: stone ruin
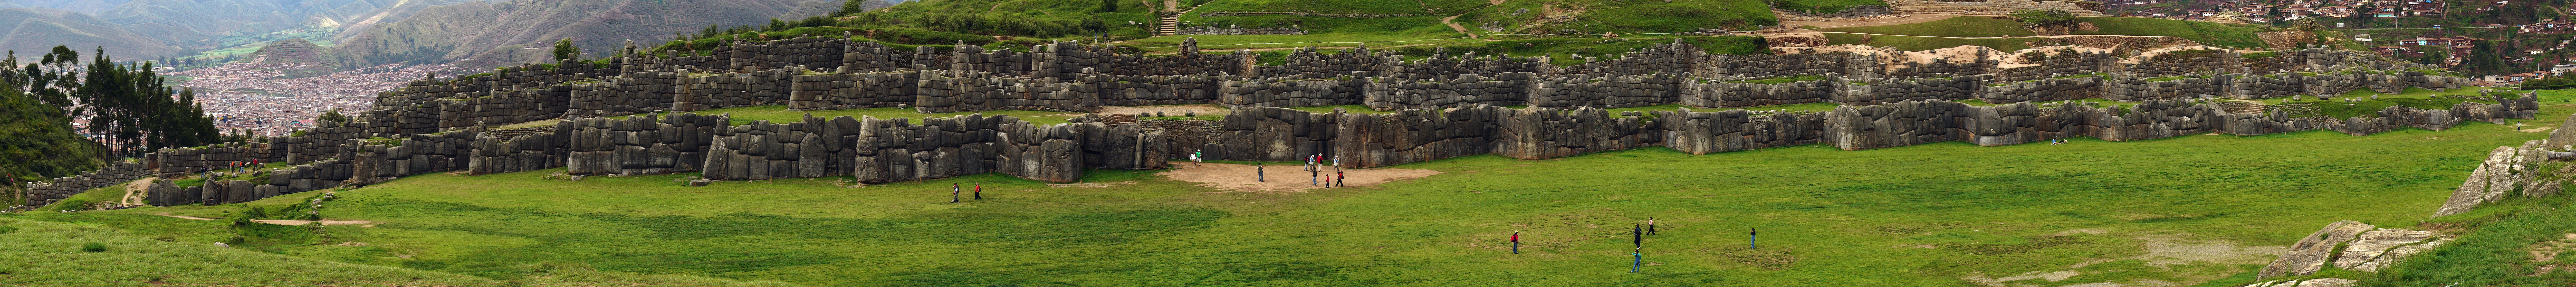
{"x": 1445, "y": 105}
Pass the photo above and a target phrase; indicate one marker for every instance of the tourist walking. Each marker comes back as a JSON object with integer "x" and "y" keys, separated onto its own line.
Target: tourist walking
{"x": 1516, "y": 242}
{"x": 979, "y": 191}
{"x": 953, "y": 190}
{"x": 1256, "y": 172}
{"x": 1650, "y": 226}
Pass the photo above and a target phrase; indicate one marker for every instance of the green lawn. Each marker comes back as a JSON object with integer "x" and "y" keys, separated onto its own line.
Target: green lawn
{"x": 780, "y": 114}
{"x": 1836, "y": 218}
{"x": 1909, "y": 43}
{"x": 1962, "y": 26}
{"x": 1825, "y": 6}
{"x": 1229, "y": 43}
{"x": 156, "y": 257}
{"x": 2240, "y": 35}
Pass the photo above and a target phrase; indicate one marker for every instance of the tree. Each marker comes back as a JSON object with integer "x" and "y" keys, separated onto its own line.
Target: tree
{"x": 331, "y": 118}
{"x": 1109, "y": 6}
{"x": 565, "y": 51}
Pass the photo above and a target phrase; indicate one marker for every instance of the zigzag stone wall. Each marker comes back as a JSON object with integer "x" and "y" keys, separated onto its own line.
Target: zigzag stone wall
{"x": 1446, "y": 105}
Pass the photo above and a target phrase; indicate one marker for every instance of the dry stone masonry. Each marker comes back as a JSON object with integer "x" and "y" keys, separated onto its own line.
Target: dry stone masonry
{"x": 632, "y": 115}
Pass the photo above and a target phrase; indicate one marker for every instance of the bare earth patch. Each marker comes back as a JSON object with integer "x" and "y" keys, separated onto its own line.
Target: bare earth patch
{"x": 286, "y": 222}
{"x": 1283, "y": 178}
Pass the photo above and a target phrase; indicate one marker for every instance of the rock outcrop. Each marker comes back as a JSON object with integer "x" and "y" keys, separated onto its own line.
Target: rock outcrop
{"x": 2347, "y": 245}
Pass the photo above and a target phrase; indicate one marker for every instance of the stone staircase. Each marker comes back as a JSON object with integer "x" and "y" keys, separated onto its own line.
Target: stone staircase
{"x": 1171, "y": 26}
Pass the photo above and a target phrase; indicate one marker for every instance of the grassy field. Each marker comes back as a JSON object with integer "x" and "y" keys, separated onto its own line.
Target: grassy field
{"x": 1964, "y": 26}
{"x": 780, "y": 114}
{"x": 2239, "y": 35}
{"x": 1927, "y": 43}
{"x": 85, "y": 254}
{"x": 1837, "y": 218}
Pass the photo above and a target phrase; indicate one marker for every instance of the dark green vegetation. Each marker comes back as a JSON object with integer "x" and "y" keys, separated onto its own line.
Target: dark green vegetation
{"x": 38, "y": 141}
{"x": 1962, "y": 26}
{"x": 128, "y": 103}
{"x": 1858, "y": 218}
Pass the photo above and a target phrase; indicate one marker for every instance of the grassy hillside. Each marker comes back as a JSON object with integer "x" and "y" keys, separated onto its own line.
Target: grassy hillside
{"x": 1910, "y": 216}
{"x": 39, "y": 143}
{"x": 495, "y": 33}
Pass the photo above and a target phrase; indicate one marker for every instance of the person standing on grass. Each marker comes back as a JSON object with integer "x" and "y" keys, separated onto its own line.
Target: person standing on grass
{"x": 979, "y": 191}
{"x": 1756, "y": 235}
{"x": 953, "y": 190}
{"x": 1650, "y": 226}
{"x": 1516, "y": 242}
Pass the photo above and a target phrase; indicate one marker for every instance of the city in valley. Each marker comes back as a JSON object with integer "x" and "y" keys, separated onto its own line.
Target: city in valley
{"x": 258, "y": 98}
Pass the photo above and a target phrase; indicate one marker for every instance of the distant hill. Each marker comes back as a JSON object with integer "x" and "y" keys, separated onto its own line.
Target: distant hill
{"x": 494, "y": 34}
{"x": 33, "y": 30}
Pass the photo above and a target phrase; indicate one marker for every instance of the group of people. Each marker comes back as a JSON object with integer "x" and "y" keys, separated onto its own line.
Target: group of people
{"x": 1315, "y": 169}
{"x": 954, "y": 190}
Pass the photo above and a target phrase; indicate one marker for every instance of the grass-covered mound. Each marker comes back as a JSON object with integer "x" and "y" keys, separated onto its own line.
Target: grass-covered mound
{"x": 1909, "y": 216}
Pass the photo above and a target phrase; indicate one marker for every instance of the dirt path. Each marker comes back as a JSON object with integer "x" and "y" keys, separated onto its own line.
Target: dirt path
{"x": 1283, "y": 178}
{"x": 1908, "y": 19}
{"x": 283, "y": 222}
{"x": 135, "y": 191}
{"x": 1455, "y": 26}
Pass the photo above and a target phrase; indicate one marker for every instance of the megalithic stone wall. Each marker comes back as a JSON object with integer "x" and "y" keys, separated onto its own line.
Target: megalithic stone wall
{"x": 517, "y": 150}
{"x": 433, "y": 125}
{"x": 815, "y": 147}
{"x": 885, "y": 150}
{"x": 64, "y": 187}
{"x": 641, "y": 144}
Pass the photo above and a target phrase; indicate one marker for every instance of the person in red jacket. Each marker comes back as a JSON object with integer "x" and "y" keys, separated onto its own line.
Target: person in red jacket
{"x": 1516, "y": 242}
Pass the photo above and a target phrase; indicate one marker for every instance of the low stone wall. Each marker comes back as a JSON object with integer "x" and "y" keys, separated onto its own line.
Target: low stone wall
{"x": 1239, "y": 30}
